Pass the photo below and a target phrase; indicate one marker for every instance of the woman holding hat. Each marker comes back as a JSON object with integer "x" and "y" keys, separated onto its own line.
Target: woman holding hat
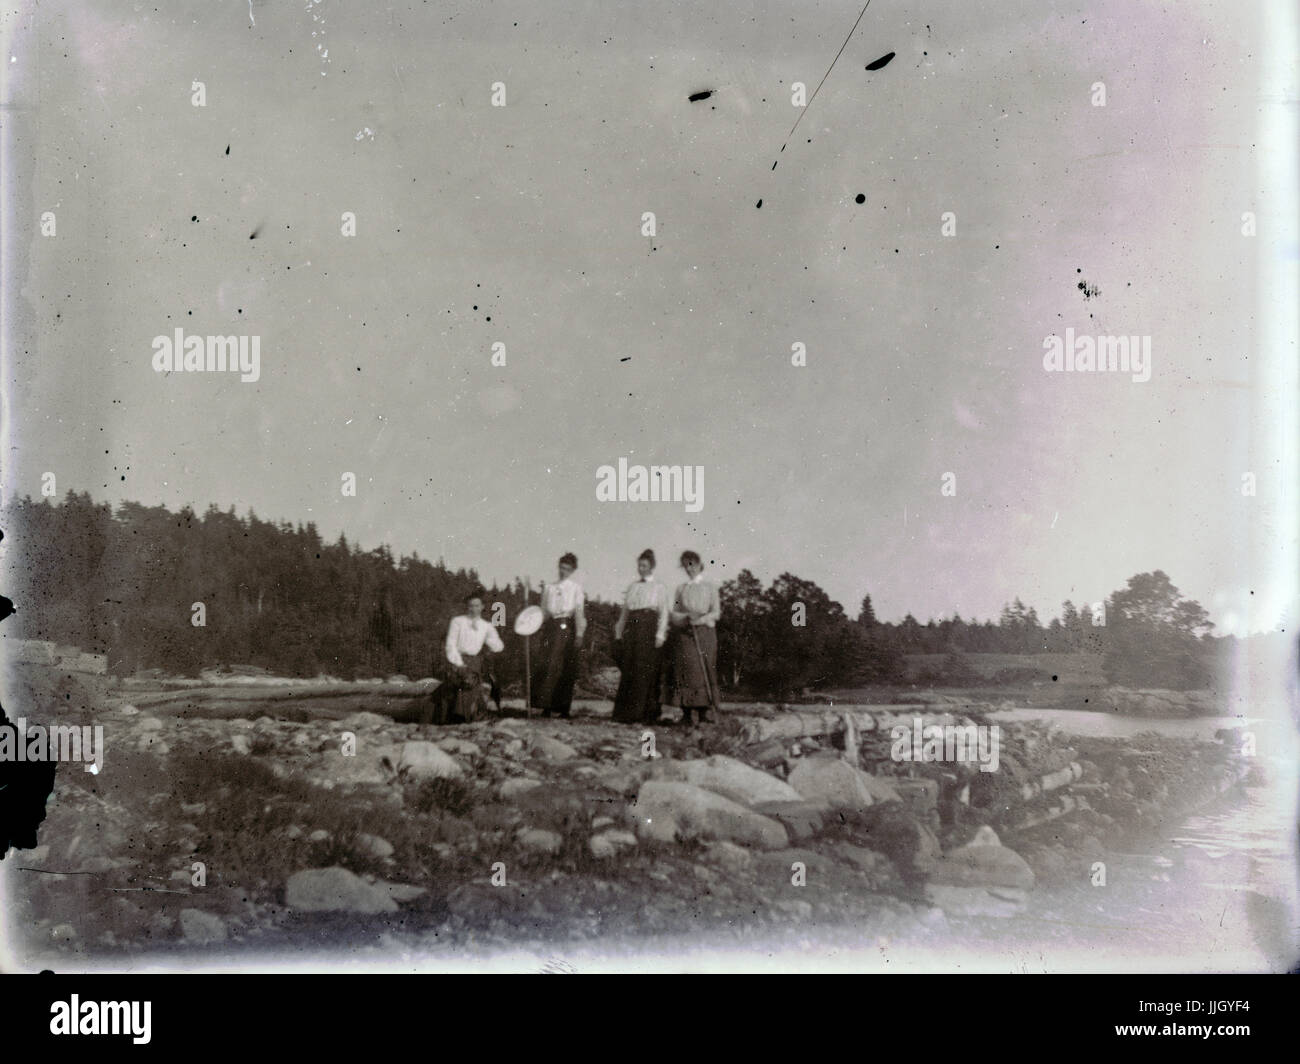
{"x": 696, "y": 609}
{"x": 639, "y": 636}
{"x": 562, "y": 633}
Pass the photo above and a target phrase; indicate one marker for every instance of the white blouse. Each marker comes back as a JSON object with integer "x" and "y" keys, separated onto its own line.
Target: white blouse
{"x": 697, "y": 596}
{"x": 645, "y": 594}
{"x": 467, "y": 637}
{"x": 563, "y": 599}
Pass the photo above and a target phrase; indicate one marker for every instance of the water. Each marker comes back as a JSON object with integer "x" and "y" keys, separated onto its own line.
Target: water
{"x": 1217, "y": 890}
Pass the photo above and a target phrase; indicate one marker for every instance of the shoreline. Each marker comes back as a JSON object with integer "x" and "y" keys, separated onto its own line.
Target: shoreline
{"x": 260, "y": 800}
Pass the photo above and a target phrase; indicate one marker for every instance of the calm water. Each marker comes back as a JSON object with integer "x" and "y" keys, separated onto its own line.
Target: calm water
{"x": 1218, "y": 890}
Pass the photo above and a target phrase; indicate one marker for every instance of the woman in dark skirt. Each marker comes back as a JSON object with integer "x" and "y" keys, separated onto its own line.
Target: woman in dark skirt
{"x": 639, "y": 636}
{"x": 460, "y": 696}
{"x": 695, "y": 612}
{"x": 562, "y": 634}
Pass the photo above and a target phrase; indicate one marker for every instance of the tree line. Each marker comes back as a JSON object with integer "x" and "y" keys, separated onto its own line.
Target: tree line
{"x": 179, "y": 591}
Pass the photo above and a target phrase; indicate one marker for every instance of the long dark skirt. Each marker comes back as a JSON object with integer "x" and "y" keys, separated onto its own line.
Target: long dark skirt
{"x": 637, "y": 701}
{"x": 556, "y": 668}
{"x": 693, "y": 680}
{"x": 460, "y": 695}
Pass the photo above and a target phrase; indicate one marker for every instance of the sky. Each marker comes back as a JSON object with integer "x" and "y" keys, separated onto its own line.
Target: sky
{"x": 522, "y": 225}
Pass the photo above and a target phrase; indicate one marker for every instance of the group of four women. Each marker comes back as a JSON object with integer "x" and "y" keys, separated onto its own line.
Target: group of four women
{"x": 665, "y": 646}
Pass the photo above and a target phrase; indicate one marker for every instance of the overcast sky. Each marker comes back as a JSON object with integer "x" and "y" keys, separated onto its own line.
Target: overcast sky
{"x": 924, "y": 351}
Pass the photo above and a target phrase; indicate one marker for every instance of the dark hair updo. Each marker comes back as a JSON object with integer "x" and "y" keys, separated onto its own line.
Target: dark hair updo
{"x": 477, "y": 593}
{"x": 647, "y": 555}
{"x": 570, "y": 559}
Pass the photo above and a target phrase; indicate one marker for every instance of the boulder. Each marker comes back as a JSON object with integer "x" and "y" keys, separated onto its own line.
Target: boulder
{"x": 863, "y": 859}
{"x": 666, "y": 810}
{"x": 400, "y": 892}
{"x": 538, "y": 840}
{"x": 902, "y": 837}
{"x": 374, "y": 846}
{"x": 833, "y": 782}
{"x": 335, "y": 890}
{"x": 552, "y": 749}
{"x": 420, "y": 760}
{"x": 921, "y": 796}
{"x": 983, "y": 862}
{"x": 460, "y": 746}
{"x": 880, "y": 788}
{"x": 982, "y": 878}
{"x": 801, "y": 819}
{"x": 730, "y": 778}
{"x": 517, "y": 786}
{"x": 732, "y": 858}
{"x": 611, "y": 843}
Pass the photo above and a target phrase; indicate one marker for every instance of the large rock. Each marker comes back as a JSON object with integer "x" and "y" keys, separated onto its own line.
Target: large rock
{"x": 335, "y": 890}
{"x": 920, "y": 795}
{"x": 982, "y": 878}
{"x": 730, "y": 778}
{"x": 420, "y": 760}
{"x": 801, "y": 819}
{"x": 516, "y": 787}
{"x": 552, "y": 749}
{"x": 833, "y": 782}
{"x": 400, "y": 891}
{"x": 733, "y": 859}
{"x": 983, "y": 862}
{"x": 902, "y": 837}
{"x": 666, "y": 810}
{"x": 374, "y": 845}
{"x": 611, "y": 843}
{"x": 460, "y": 746}
{"x": 538, "y": 840}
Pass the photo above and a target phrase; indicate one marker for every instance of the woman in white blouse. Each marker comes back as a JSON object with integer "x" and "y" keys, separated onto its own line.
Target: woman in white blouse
{"x": 460, "y": 696}
{"x": 562, "y": 634}
{"x": 639, "y": 636}
{"x": 696, "y": 609}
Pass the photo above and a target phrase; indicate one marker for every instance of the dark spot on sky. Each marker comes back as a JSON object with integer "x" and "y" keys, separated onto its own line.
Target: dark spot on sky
{"x": 253, "y": 234}
{"x": 1088, "y": 290}
{"x": 227, "y": 149}
{"x": 194, "y": 217}
{"x": 882, "y": 62}
{"x": 759, "y": 204}
{"x": 859, "y": 198}
{"x": 627, "y": 359}
{"x": 696, "y": 97}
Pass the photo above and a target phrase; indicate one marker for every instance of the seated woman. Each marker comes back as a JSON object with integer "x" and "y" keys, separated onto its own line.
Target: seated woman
{"x": 562, "y": 633}
{"x": 695, "y": 612}
{"x": 639, "y": 635}
{"x": 460, "y": 696}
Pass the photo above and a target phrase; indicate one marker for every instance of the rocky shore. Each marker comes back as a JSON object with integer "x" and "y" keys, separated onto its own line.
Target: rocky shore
{"x": 280, "y": 830}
